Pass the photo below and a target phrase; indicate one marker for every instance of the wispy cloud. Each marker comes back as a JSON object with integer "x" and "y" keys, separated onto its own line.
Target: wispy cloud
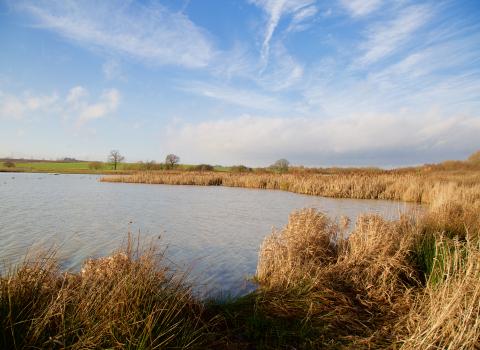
{"x": 359, "y": 8}
{"x": 299, "y": 20}
{"x": 150, "y": 33}
{"x": 283, "y": 72}
{"x": 234, "y": 96}
{"x": 386, "y": 37}
{"x": 441, "y": 73}
{"x": 275, "y": 10}
{"x": 369, "y": 83}
{"x": 112, "y": 70}
{"x": 76, "y": 96}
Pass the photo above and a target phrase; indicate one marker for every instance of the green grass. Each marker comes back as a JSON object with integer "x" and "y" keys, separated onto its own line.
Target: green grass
{"x": 42, "y": 166}
{"x": 62, "y": 167}
{"x": 84, "y": 167}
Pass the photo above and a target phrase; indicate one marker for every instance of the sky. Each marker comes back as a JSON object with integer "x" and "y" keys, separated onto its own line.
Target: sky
{"x": 318, "y": 82}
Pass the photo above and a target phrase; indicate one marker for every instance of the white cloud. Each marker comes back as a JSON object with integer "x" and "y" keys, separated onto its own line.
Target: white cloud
{"x": 75, "y": 105}
{"x": 275, "y": 10}
{"x": 76, "y": 95}
{"x": 107, "y": 104}
{"x": 364, "y": 139}
{"x": 149, "y": 33}
{"x": 387, "y": 37}
{"x": 17, "y": 107}
{"x": 359, "y": 8}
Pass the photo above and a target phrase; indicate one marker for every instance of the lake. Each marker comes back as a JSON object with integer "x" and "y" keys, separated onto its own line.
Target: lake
{"x": 213, "y": 232}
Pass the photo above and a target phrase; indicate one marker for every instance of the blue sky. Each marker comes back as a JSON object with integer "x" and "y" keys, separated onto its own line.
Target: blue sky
{"x": 341, "y": 82}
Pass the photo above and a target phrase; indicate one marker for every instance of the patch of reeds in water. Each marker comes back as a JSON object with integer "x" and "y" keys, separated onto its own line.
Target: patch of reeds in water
{"x": 406, "y": 186}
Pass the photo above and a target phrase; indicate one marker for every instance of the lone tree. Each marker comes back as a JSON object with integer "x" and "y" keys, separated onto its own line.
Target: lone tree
{"x": 115, "y": 158}
{"x": 171, "y": 160}
{"x": 281, "y": 165}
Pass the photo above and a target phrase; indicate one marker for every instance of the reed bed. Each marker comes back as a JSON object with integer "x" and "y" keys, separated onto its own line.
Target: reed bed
{"x": 411, "y": 186}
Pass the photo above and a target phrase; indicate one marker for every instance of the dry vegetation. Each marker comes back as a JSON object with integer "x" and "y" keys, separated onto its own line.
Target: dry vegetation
{"x": 413, "y": 283}
{"x": 411, "y": 186}
{"x": 127, "y": 300}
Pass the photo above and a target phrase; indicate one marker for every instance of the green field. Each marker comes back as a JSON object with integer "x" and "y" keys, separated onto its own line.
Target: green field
{"x": 82, "y": 167}
{"x": 60, "y": 167}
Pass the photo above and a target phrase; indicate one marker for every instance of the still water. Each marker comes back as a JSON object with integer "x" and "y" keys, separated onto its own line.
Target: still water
{"x": 213, "y": 232}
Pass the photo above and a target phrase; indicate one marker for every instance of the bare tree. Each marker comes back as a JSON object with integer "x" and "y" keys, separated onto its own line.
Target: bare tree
{"x": 281, "y": 165}
{"x": 171, "y": 160}
{"x": 115, "y": 158}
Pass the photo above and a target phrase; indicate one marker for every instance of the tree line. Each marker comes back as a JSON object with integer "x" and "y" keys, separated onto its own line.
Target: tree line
{"x": 115, "y": 158}
{"x": 172, "y": 160}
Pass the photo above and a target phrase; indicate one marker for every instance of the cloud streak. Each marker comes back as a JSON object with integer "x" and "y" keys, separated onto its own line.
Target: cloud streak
{"x": 358, "y": 8}
{"x": 234, "y": 96}
{"x": 148, "y": 33}
{"x": 275, "y": 10}
{"x": 385, "y": 38}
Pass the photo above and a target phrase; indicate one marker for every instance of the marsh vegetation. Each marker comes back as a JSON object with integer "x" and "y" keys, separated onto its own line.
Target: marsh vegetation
{"x": 421, "y": 186}
{"x": 411, "y": 283}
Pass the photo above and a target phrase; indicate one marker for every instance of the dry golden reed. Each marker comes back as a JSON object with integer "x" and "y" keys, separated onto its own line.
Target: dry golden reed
{"x": 128, "y": 300}
{"x": 413, "y": 283}
{"x": 446, "y": 314}
{"x": 410, "y": 186}
{"x": 354, "y": 286}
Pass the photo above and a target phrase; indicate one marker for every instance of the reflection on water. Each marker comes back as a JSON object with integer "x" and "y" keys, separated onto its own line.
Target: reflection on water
{"x": 215, "y": 232}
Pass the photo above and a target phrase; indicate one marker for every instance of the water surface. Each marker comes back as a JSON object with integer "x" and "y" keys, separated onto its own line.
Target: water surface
{"x": 213, "y": 231}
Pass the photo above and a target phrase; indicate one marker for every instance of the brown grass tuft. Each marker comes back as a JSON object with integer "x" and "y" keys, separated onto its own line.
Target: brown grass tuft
{"x": 411, "y": 283}
{"x": 446, "y": 314}
{"x": 127, "y": 300}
